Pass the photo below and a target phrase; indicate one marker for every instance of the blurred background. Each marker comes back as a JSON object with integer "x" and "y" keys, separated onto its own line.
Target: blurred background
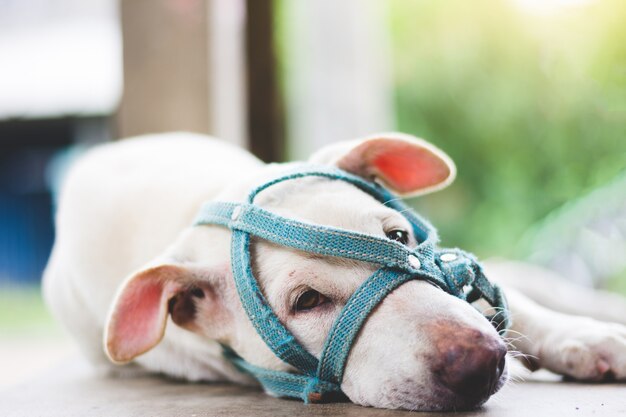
{"x": 528, "y": 97}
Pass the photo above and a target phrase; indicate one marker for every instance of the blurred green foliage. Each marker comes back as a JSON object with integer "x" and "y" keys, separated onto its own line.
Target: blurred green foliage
{"x": 530, "y": 106}
{"x": 22, "y": 312}
{"x": 617, "y": 283}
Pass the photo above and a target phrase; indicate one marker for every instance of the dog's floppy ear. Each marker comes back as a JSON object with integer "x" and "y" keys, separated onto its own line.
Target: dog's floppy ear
{"x": 137, "y": 319}
{"x": 406, "y": 165}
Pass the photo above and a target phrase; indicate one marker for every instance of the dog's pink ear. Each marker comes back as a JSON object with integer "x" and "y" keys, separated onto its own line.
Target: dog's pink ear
{"x": 137, "y": 320}
{"x": 406, "y": 165}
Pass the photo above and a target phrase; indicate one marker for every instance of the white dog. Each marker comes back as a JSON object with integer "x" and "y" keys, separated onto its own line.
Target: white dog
{"x": 127, "y": 267}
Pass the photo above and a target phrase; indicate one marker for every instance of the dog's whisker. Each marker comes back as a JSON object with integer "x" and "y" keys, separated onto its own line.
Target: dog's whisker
{"x": 514, "y": 339}
{"x": 516, "y": 332}
{"x": 392, "y": 200}
{"x": 522, "y": 335}
{"x": 498, "y": 310}
{"x": 510, "y": 345}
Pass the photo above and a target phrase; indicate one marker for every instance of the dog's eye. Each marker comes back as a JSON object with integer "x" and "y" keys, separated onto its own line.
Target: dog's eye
{"x": 309, "y": 300}
{"x": 399, "y": 236}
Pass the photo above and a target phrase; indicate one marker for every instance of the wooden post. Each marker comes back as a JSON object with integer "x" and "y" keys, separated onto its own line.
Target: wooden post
{"x": 166, "y": 67}
{"x": 182, "y": 71}
{"x": 265, "y": 111}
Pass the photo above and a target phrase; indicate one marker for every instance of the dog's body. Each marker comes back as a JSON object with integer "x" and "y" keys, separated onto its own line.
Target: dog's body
{"x": 125, "y": 254}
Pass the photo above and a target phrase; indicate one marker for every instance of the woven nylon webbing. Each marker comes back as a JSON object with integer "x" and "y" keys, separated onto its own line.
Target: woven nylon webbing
{"x": 452, "y": 270}
{"x": 322, "y": 240}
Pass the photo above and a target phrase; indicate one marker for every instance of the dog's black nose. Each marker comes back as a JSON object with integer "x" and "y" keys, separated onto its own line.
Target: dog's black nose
{"x": 474, "y": 372}
{"x": 470, "y": 363}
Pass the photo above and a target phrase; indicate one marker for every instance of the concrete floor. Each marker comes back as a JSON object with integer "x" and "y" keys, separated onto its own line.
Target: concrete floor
{"x": 72, "y": 389}
{"x": 24, "y": 358}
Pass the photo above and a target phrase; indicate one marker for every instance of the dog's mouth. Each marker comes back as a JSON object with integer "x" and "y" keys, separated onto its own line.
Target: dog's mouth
{"x": 477, "y": 403}
{"x": 412, "y": 395}
{"x": 473, "y": 396}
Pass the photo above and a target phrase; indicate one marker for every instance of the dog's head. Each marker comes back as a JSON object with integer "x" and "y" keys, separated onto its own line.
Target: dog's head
{"x": 420, "y": 349}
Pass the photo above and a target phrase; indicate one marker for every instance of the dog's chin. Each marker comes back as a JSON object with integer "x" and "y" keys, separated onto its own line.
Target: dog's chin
{"x": 439, "y": 399}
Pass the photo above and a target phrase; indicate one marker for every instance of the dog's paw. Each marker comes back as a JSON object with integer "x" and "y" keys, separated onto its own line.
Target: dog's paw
{"x": 586, "y": 349}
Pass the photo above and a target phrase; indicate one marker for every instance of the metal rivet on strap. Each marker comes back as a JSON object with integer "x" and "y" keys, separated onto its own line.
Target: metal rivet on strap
{"x": 236, "y": 213}
{"x": 448, "y": 257}
{"x": 415, "y": 262}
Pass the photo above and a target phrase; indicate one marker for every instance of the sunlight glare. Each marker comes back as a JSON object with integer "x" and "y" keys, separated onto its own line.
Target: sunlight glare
{"x": 549, "y": 7}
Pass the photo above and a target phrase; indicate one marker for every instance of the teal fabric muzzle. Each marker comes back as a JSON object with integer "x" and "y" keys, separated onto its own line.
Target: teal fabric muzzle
{"x": 452, "y": 270}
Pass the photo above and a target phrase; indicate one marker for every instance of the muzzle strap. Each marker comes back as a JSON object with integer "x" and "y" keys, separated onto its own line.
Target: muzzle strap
{"x": 452, "y": 270}
{"x": 307, "y": 237}
{"x": 465, "y": 275}
{"x": 245, "y": 220}
{"x": 268, "y": 325}
{"x": 351, "y": 319}
{"x": 309, "y": 389}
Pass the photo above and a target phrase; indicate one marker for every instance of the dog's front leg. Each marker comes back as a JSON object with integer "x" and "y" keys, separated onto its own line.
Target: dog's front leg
{"x": 576, "y": 346}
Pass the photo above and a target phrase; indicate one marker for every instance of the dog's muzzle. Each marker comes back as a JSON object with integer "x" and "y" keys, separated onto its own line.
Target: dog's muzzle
{"x": 454, "y": 271}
